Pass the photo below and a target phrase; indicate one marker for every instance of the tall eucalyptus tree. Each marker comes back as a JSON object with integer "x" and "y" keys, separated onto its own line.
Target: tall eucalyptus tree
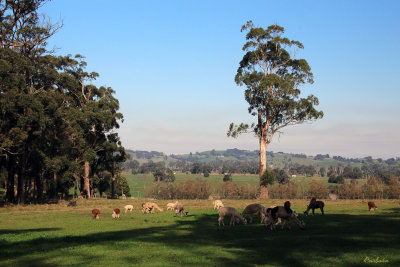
{"x": 272, "y": 77}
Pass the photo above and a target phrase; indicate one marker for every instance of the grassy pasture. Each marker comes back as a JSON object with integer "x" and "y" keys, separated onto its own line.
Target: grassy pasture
{"x": 57, "y": 235}
{"x": 137, "y": 182}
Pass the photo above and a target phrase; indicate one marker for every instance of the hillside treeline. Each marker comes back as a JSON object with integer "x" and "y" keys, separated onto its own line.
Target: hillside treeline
{"x": 376, "y": 168}
{"x": 56, "y": 127}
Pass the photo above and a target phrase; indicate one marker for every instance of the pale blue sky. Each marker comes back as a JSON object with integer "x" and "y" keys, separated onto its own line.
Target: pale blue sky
{"x": 172, "y": 64}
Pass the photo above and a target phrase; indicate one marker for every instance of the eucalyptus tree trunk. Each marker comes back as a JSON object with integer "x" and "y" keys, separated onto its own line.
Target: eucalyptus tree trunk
{"x": 21, "y": 176}
{"x": 263, "y": 157}
{"x": 10, "y": 179}
{"x": 113, "y": 182}
{"x": 55, "y": 193}
{"x": 76, "y": 185}
{"x": 86, "y": 184}
{"x": 32, "y": 189}
{"x": 113, "y": 187}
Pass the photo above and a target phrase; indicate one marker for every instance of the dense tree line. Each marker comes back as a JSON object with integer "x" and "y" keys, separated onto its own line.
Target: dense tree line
{"x": 56, "y": 127}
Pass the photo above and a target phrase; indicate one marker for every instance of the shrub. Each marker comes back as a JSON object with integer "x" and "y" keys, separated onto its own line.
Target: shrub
{"x": 192, "y": 189}
{"x": 233, "y": 191}
{"x": 267, "y": 178}
{"x": 227, "y": 177}
{"x": 317, "y": 189}
{"x": 284, "y": 191}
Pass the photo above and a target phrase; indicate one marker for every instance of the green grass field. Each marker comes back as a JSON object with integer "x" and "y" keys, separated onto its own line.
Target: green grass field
{"x": 137, "y": 182}
{"x": 57, "y": 235}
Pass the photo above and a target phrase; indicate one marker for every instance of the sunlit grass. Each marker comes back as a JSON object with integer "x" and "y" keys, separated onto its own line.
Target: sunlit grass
{"x": 49, "y": 235}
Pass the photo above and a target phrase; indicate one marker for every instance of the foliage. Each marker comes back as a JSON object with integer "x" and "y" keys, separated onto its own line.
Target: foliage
{"x": 317, "y": 189}
{"x": 287, "y": 190}
{"x": 164, "y": 175}
{"x": 197, "y": 189}
{"x": 272, "y": 77}
{"x": 336, "y": 179}
{"x": 53, "y": 121}
{"x": 231, "y": 190}
{"x": 281, "y": 176}
{"x": 227, "y": 177}
{"x": 267, "y": 178}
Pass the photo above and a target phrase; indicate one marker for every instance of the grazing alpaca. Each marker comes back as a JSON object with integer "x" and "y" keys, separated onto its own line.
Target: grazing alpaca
{"x": 179, "y": 209}
{"x": 286, "y": 205}
{"x": 277, "y": 214}
{"x": 229, "y": 211}
{"x": 315, "y": 205}
{"x": 218, "y": 204}
{"x": 254, "y": 208}
{"x": 171, "y": 206}
{"x": 116, "y": 213}
{"x": 128, "y": 207}
{"x": 149, "y": 207}
{"x": 95, "y": 213}
{"x": 371, "y": 206}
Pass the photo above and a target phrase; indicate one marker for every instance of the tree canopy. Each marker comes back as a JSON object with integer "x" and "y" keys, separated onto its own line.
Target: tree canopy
{"x": 55, "y": 125}
{"x": 272, "y": 77}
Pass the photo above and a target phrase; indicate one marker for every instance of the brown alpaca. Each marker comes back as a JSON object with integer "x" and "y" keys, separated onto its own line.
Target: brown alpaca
{"x": 313, "y": 199}
{"x": 95, "y": 213}
{"x": 371, "y": 205}
{"x": 116, "y": 213}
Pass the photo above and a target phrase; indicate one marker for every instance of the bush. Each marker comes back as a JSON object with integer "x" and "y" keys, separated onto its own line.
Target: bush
{"x": 284, "y": 191}
{"x": 192, "y": 189}
{"x": 164, "y": 174}
{"x": 317, "y": 189}
{"x": 233, "y": 191}
{"x": 227, "y": 177}
{"x": 336, "y": 179}
{"x": 267, "y": 178}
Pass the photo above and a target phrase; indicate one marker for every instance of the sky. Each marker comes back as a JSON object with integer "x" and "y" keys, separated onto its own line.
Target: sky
{"x": 173, "y": 63}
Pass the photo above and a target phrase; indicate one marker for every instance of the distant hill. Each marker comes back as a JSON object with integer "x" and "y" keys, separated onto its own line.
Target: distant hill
{"x": 274, "y": 159}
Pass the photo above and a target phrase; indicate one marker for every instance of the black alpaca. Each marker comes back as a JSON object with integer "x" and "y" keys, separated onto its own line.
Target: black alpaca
{"x": 315, "y": 205}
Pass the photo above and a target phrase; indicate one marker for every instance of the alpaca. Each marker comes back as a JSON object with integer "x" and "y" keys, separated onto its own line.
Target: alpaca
{"x": 229, "y": 211}
{"x": 171, "y": 206}
{"x": 371, "y": 206}
{"x": 315, "y": 205}
{"x": 149, "y": 207}
{"x": 254, "y": 208}
{"x": 116, "y": 213}
{"x": 179, "y": 209}
{"x": 128, "y": 208}
{"x": 95, "y": 213}
{"x": 218, "y": 204}
{"x": 277, "y": 214}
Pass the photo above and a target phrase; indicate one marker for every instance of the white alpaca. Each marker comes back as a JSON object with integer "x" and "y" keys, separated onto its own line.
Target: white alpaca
{"x": 171, "y": 206}
{"x": 149, "y": 207}
{"x": 128, "y": 207}
{"x": 218, "y": 204}
{"x": 229, "y": 211}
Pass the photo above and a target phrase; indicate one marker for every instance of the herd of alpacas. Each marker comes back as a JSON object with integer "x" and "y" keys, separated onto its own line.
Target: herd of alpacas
{"x": 272, "y": 216}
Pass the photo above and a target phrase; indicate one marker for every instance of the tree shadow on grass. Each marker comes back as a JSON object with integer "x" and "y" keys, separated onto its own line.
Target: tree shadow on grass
{"x": 332, "y": 239}
{"x": 21, "y": 231}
